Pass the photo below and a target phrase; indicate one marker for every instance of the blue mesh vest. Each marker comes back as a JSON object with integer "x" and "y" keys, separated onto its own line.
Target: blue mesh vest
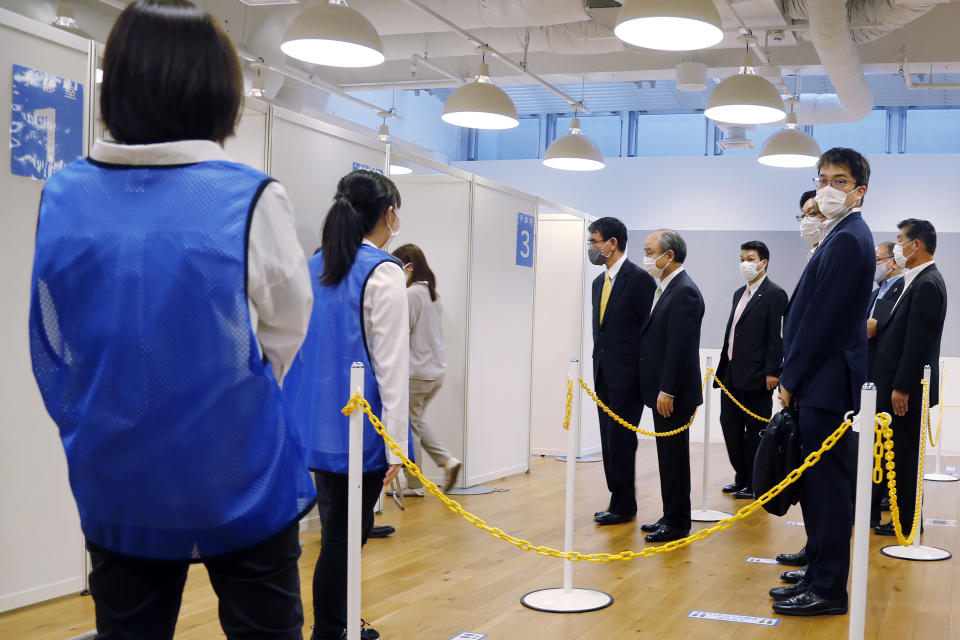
{"x": 318, "y": 383}
{"x": 178, "y": 441}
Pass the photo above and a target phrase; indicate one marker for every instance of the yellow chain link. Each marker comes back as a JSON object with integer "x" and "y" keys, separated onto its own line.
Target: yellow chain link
{"x": 358, "y": 402}
{"x": 737, "y": 402}
{"x": 940, "y": 419}
{"x": 877, "y": 454}
{"x": 569, "y": 406}
{"x": 892, "y": 475}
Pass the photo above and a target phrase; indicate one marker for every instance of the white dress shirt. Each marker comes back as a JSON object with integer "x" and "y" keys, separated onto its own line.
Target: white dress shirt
{"x": 386, "y": 322}
{"x": 909, "y": 275}
{"x": 663, "y": 287}
{"x": 427, "y": 356}
{"x": 615, "y": 269}
{"x": 830, "y": 225}
{"x": 748, "y": 292}
{"x": 279, "y": 293}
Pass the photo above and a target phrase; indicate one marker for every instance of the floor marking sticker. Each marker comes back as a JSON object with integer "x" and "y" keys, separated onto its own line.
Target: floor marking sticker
{"x": 941, "y": 523}
{"x": 732, "y": 617}
{"x": 794, "y": 523}
{"x": 762, "y": 560}
{"x": 469, "y": 635}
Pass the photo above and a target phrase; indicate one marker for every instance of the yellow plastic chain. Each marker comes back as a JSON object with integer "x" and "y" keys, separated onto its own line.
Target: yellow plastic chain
{"x": 569, "y": 405}
{"x": 892, "y": 475}
{"x": 737, "y": 402}
{"x": 358, "y": 402}
{"x": 940, "y": 419}
{"x": 878, "y": 452}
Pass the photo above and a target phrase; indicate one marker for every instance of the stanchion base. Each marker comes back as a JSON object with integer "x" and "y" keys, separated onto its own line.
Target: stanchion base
{"x": 920, "y": 553}
{"x": 940, "y": 477}
{"x": 592, "y": 458}
{"x": 559, "y": 601}
{"x": 708, "y": 515}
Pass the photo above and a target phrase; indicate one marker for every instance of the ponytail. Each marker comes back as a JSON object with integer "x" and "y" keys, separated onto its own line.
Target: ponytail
{"x": 362, "y": 198}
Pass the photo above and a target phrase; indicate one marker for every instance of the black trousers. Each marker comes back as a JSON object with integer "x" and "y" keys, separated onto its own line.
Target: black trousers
{"x": 330, "y": 575}
{"x": 825, "y": 502}
{"x": 741, "y": 433}
{"x": 673, "y": 459}
{"x": 619, "y": 445}
{"x": 906, "y": 456}
{"x": 258, "y": 590}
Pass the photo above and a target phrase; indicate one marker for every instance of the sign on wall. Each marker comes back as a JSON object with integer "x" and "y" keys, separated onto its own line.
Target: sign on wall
{"x": 359, "y": 166}
{"x": 46, "y": 123}
{"x": 524, "y": 240}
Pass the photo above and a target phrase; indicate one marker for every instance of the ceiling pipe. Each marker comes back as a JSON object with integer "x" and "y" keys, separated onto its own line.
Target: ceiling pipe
{"x": 521, "y": 68}
{"x": 418, "y": 60}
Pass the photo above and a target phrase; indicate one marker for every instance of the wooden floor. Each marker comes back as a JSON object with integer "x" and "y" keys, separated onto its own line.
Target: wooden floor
{"x": 439, "y": 576}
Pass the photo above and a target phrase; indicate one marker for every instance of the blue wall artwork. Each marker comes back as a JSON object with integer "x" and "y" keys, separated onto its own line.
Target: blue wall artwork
{"x": 46, "y": 124}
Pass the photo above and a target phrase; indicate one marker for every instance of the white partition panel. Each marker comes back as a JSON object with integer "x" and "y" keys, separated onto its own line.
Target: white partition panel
{"x": 309, "y": 157}
{"x": 249, "y": 143}
{"x": 435, "y": 216}
{"x": 41, "y": 546}
{"x": 500, "y": 337}
{"x": 558, "y": 332}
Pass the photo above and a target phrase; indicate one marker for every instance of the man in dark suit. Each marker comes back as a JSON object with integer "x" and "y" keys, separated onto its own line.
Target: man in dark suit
{"x": 750, "y": 362}
{"x": 907, "y": 339}
{"x": 670, "y": 381}
{"x": 824, "y": 367}
{"x": 889, "y": 279}
{"x": 621, "y": 303}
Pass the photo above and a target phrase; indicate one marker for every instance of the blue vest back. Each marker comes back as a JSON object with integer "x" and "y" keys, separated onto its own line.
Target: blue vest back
{"x": 178, "y": 442}
{"x": 318, "y": 383}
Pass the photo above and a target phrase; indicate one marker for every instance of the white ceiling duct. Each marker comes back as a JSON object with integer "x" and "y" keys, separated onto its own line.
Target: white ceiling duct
{"x": 887, "y": 14}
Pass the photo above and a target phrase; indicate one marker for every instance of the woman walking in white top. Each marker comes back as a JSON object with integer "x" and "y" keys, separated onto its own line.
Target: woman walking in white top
{"x": 427, "y": 363}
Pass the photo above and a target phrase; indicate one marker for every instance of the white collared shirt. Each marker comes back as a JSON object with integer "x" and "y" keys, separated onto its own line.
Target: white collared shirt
{"x": 663, "y": 287}
{"x": 909, "y": 275}
{"x": 830, "y": 225}
{"x": 615, "y": 269}
{"x": 279, "y": 293}
{"x": 756, "y": 285}
{"x": 427, "y": 355}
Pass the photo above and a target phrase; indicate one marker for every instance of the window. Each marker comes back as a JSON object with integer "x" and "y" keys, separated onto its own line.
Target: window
{"x": 866, "y": 136}
{"x": 510, "y": 144}
{"x": 604, "y": 130}
{"x": 673, "y": 134}
{"x": 933, "y": 131}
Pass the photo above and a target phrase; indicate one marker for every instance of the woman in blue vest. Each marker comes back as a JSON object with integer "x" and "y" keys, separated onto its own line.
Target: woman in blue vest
{"x": 359, "y": 315}
{"x": 169, "y": 297}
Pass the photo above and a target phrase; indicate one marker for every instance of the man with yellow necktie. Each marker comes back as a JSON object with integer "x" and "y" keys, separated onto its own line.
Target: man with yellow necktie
{"x": 622, "y": 297}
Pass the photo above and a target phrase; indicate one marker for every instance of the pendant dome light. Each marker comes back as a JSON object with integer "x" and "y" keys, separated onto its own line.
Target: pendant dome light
{"x": 574, "y": 151}
{"x": 669, "y": 25}
{"x": 334, "y": 35}
{"x": 745, "y": 98}
{"x": 480, "y": 105}
{"x": 790, "y": 147}
{"x": 258, "y": 88}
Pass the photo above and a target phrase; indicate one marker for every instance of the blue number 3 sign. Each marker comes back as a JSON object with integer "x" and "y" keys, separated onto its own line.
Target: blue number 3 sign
{"x": 524, "y": 240}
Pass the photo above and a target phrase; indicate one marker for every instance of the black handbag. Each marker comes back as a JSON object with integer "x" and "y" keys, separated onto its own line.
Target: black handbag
{"x": 779, "y": 453}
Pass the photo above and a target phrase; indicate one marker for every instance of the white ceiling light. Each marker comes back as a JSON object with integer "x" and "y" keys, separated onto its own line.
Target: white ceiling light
{"x": 67, "y": 21}
{"x": 669, "y": 25}
{"x": 400, "y": 170}
{"x": 574, "y": 151}
{"x": 480, "y": 105}
{"x": 691, "y": 76}
{"x": 334, "y": 35}
{"x": 745, "y": 98}
{"x": 790, "y": 147}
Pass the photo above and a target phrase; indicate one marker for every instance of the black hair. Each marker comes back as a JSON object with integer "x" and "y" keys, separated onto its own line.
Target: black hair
{"x": 922, "y": 230}
{"x": 412, "y": 254}
{"x": 855, "y": 163}
{"x": 888, "y": 247}
{"x": 757, "y": 246}
{"x": 806, "y": 196}
{"x": 362, "y": 198}
{"x": 610, "y": 228}
{"x": 170, "y": 73}
{"x": 670, "y": 240}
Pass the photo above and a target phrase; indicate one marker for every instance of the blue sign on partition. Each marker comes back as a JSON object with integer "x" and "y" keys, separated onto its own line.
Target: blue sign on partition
{"x": 524, "y": 240}
{"x": 46, "y": 123}
{"x": 358, "y": 166}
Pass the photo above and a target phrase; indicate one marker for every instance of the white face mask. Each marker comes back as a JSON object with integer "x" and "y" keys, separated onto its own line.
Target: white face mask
{"x": 810, "y": 229}
{"x": 881, "y": 273}
{"x": 832, "y": 202}
{"x": 750, "y": 270}
{"x": 898, "y": 256}
{"x": 393, "y": 232}
{"x": 650, "y": 266}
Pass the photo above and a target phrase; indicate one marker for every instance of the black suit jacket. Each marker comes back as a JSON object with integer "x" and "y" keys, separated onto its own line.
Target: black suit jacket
{"x": 909, "y": 338}
{"x": 757, "y": 344}
{"x": 616, "y": 341}
{"x": 670, "y": 346}
{"x": 881, "y": 312}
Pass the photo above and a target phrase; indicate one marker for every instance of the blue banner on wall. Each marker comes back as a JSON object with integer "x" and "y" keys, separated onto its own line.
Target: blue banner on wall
{"x": 524, "y": 240}
{"x": 359, "y": 166}
{"x": 46, "y": 123}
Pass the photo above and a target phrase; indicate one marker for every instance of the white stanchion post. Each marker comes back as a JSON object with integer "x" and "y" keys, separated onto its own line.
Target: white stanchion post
{"x": 568, "y": 599}
{"x": 354, "y": 500}
{"x": 705, "y": 514}
{"x": 939, "y": 476}
{"x": 861, "y": 524}
{"x": 917, "y": 551}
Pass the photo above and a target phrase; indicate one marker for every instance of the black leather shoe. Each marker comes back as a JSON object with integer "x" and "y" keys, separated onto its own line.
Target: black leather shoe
{"x": 743, "y": 494}
{"x": 885, "y": 504}
{"x": 793, "y": 577}
{"x": 783, "y": 593}
{"x": 611, "y": 518}
{"x": 666, "y": 534}
{"x": 650, "y": 527}
{"x": 884, "y": 529}
{"x": 382, "y": 532}
{"x": 731, "y": 488}
{"x": 794, "y": 559}
{"x": 809, "y": 604}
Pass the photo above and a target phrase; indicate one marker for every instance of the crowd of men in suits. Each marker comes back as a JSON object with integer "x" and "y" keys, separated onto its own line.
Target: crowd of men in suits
{"x": 835, "y": 332}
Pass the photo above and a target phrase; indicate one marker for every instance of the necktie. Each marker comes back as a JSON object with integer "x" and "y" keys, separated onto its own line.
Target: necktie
{"x": 605, "y": 295}
{"x": 736, "y": 318}
{"x": 656, "y": 296}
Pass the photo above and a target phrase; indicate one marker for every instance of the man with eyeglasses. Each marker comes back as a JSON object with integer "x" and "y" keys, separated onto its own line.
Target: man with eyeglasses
{"x": 811, "y": 220}
{"x": 824, "y": 366}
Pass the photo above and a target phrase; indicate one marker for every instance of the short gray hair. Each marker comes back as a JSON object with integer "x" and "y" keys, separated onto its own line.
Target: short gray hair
{"x": 670, "y": 240}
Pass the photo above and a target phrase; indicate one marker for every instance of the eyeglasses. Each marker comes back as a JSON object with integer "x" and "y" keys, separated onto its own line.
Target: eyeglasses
{"x": 800, "y": 216}
{"x": 840, "y": 183}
